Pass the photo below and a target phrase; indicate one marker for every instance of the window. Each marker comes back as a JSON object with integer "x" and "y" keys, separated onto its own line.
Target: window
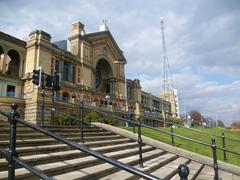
{"x": 57, "y": 67}
{"x": 73, "y": 74}
{"x": 108, "y": 88}
{"x": 78, "y": 77}
{"x": 86, "y": 52}
{"x": 98, "y": 78}
{"x": 65, "y": 96}
{"x": 10, "y": 91}
{"x": 65, "y": 71}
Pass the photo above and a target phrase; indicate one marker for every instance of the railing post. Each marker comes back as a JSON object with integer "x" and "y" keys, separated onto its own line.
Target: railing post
{"x": 215, "y": 164}
{"x": 53, "y": 106}
{"x": 81, "y": 121}
{"x": 42, "y": 119}
{"x": 172, "y": 133}
{"x": 223, "y": 144}
{"x": 12, "y": 141}
{"x": 140, "y": 145}
{"x": 183, "y": 171}
{"x": 129, "y": 117}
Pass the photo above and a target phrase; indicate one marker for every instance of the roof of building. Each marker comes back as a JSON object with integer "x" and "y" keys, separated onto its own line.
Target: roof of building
{"x": 12, "y": 39}
{"x": 90, "y": 35}
{"x": 61, "y": 44}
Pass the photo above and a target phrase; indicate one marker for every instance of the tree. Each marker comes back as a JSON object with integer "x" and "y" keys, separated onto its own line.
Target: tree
{"x": 196, "y": 117}
{"x": 221, "y": 123}
{"x": 235, "y": 125}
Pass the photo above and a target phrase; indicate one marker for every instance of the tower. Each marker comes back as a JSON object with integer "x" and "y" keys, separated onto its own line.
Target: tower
{"x": 168, "y": 92}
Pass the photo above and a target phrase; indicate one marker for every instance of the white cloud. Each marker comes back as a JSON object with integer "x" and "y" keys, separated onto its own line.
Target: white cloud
{"x": 202, "y": 42}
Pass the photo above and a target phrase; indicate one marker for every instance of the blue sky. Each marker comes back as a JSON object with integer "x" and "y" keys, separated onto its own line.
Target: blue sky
{"x": 202, "y": 37}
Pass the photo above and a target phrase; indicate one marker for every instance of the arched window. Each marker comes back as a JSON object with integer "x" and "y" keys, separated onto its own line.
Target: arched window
{"x": 13, "y": 63}
{"x": 1, "y": 51}
{"x": 65, "y": 96}
{"x": 74, "y": 96}
{"x": 103, "y": 76}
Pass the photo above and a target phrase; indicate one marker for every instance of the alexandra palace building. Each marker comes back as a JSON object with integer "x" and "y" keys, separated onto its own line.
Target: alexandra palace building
{"x": 90, "y": 65}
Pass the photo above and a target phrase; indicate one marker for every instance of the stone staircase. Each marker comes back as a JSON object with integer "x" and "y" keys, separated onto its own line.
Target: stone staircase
{"x": 62, "y": 162}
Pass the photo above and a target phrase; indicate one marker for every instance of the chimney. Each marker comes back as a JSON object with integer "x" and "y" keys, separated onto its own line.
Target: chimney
{"x": 103, "y": 26}
{"x": 77, "y": 29}
{"x": 39, "y": 36}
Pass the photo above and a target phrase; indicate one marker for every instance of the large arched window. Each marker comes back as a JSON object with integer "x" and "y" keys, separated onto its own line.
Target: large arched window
{"x": 103, "y": 76}
{"x": 13, "y": 63}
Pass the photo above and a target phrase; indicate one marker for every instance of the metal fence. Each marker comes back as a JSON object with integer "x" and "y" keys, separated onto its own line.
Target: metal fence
{"x": 171, "y": 134}
{"x": 12, "y": 156}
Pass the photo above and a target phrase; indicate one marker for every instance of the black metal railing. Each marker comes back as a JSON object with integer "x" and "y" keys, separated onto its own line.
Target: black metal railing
{"x": 171, "y": 124}
{"x": 12, "y": 157}
{"x": 222, "y": 137}
{"x": 172, "y": 135}
{"x": 193, "y": 129}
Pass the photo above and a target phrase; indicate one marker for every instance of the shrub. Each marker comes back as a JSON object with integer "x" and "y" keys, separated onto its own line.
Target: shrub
{"x": 91, "y": 117}
{"x": 139, "y": 119}
{"x": 178, "y": 121}
{"x": 65, "y": 120}
{"x": 109, "y": 120}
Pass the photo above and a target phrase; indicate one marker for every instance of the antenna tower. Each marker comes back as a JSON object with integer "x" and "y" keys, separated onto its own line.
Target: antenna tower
{"x": 168, "y": 92}
{"x": 167, "y": 82}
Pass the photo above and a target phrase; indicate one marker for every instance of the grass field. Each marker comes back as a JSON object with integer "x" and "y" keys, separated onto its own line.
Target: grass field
{"x": 201, "y": 149}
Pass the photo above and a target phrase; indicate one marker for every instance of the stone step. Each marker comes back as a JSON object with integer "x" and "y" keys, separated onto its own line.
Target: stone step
{"x": 63, "y": 162}
{"x": 194, "y": 167}
{"x": 62, "y": 126}
{"x": 206, "y": 173}
{"x": 148, "y": 166}
{"x": 85, "y": 128}
{"x": 6, "y": 123}
{"x": 36, "y": 135}
{"x": 170, "y": 169}
{"x": 5, "y": 130}
{"x": 34, "y": 150}
{"x": 70, "y": 165}
{"x": 50, "y": 157}
{"x": 226, "y": 175}
{"x": 101, "y": 170}
{"x": 49, "y": 141}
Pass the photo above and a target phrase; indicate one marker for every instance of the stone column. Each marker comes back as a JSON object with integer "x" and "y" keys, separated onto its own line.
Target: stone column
{"x": 1, "y": 62}
{"x": 4, "y": 66}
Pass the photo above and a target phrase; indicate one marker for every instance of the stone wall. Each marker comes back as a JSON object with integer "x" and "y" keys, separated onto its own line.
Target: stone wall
{"x": 5, "y": 104}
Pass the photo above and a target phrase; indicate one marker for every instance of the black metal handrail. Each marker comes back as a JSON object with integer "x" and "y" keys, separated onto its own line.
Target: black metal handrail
{"x": 22, "y": 163}
{"x": 172, "y": 134}
{"x": 12, "y": 155}
{"x": 223, "y": 136}
{"x": 163, "y": 131}
{"x": 193, "y": 129}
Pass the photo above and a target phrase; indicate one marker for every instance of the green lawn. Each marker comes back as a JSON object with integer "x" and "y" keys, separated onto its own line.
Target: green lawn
{"x": 201, "y": 149}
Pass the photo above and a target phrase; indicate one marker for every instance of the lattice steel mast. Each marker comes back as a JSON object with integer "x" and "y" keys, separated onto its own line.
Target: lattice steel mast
{"x": 167, "y": 82}
{"x": 169, "y": 93}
